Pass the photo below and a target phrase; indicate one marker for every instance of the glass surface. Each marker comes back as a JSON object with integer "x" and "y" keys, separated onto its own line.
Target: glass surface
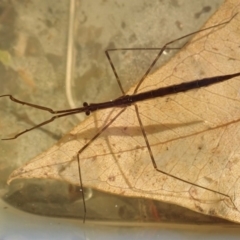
{"x": 53, "y": 55}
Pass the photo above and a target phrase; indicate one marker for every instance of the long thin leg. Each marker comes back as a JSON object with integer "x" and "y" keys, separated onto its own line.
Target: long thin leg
{"x": 173, "y": 41}
{"x": 127, "y": 49}
{"x": 165, "y": 47}
{"x": 61, "y": 113}
{"x": 82, "y": 149}
{"x": 28, "y": 104}
{"x": 168, "y": 174}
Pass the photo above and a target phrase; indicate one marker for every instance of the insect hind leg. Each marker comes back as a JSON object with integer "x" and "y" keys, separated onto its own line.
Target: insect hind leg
{"x": 223, "y": 195}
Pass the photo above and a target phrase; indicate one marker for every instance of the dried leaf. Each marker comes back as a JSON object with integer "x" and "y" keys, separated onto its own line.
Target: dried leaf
{"x": 193, "y": 136}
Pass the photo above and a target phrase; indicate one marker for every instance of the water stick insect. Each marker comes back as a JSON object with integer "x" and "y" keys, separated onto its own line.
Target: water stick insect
{"x": 134, "y": 101}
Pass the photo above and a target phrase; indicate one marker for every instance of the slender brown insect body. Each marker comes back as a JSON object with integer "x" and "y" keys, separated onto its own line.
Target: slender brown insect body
{"x": 127, "y": 100}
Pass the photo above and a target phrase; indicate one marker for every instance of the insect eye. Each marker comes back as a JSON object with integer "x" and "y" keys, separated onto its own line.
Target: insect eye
{"x": 85, "y": 104}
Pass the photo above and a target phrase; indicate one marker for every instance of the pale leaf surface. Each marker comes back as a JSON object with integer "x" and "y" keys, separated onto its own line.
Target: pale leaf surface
{"x": 194, "y": 135}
